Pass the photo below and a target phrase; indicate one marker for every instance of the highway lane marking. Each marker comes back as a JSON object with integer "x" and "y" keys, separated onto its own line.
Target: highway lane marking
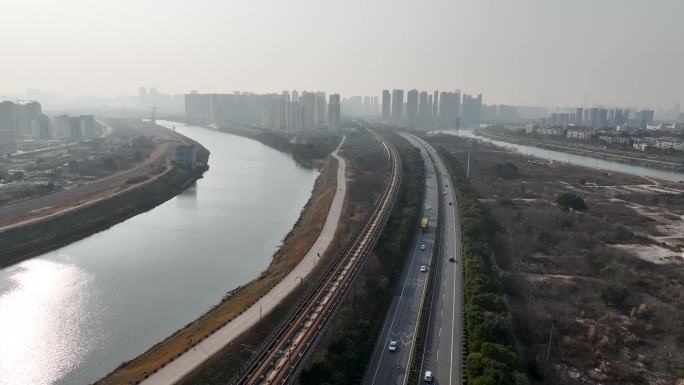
{"x": 455, "y": 238}
{"x": 401, "y": 296}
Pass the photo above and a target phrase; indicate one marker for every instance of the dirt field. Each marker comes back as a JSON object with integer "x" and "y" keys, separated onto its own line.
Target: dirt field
{"x": 161, "y": 147}
{"x": 597, "y": 295}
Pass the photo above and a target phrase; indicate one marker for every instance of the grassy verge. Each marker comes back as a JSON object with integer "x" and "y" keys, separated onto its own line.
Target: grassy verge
{"x": 344, "y": 353}
{"x": 492, "y": 357}
{"x": 308, "y": 150}
{"x": 595, "y": 291}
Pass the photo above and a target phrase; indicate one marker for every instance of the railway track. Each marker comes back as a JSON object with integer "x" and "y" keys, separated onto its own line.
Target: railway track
{"x": 282, "y": 356}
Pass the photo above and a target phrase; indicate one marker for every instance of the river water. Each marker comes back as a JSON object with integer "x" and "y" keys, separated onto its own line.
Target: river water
{"x": 72, "y": 315}
{"x": 575, "y": 159}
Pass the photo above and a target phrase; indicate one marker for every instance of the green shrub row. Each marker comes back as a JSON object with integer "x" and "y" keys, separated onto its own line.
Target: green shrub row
{"x": 492, "y": 358}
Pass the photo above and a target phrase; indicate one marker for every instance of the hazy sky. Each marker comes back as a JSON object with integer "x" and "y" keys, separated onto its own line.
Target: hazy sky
{"x": 552, "y": 52}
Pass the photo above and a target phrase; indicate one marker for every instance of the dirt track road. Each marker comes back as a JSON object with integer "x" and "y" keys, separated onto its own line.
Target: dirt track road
{"x": 32, "y": 210}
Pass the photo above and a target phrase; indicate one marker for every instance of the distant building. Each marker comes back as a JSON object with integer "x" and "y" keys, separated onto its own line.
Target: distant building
{"x": 397, "y": 105}
{"x": 89, "y": 126}
{"x": 645, "y": 118}
{"x": 75, "y": 127}
{"x": 624, "y": 140}
{"x": 23, "y": 119}
{"x": 186, "y": 156}
{"x": 579, "y": 114}
{"x": 507, "y": 113}
{"x": 424, "y": 106}
{"x": 283, "y": 111}
{"x": 472, "y": 109}
{"x": 8, "y": 127}
{"x": 578, "y": 134}
{"x": 551, "y": 131}
{"x": 412, "y": 105}
{"x": 334, "y": 112}
{"x": 61, "y": 126}
{"x": 42, "y": 128}
{"x": 435, "y": 104}
{"x": 449, "y": 106}
{"x": 321, "y": 109}
{"x": 386, "y": 105}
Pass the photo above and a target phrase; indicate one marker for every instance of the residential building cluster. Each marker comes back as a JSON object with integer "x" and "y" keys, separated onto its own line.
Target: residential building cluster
{"x": 290, "y": 111}
{"x": 27, "y": 121}
{"x": 360, "y": 106}
{"x": 599, "y": 117}
{"x": 663, "y": 143}
{"x": 443, "y": 107}
{"x": 639, "y": 139}
{"x": 149, "y": 97}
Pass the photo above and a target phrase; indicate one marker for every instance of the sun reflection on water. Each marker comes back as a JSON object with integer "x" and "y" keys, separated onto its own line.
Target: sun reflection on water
{"x": 45, "y": 330}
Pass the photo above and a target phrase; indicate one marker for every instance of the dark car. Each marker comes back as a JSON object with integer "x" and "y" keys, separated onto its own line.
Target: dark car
{"x": 452, "y": 259}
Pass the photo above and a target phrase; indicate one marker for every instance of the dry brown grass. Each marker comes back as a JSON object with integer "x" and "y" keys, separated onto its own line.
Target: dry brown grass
{"x": 558, "y": 266}
{"x": 295, "y": 246}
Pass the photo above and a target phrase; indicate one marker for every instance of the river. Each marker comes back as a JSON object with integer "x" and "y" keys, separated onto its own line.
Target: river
{"x": 581, "y": 160}
{"x": 72, "y": 315}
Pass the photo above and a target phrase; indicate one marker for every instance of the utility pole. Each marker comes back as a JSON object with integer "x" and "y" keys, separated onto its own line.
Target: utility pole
{"x": 548, "y": 351}
{"x": 154, "y": 115}
{"x": 468, "y": 168}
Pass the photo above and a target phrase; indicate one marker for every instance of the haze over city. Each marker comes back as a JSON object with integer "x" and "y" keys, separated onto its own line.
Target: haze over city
{"x": 529, "y": 52}
{"x": 361, "y": 192}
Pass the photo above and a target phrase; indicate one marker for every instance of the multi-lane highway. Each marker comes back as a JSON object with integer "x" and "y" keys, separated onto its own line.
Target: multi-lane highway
{"x": 391, "y": 367}
{"x": 443, "y": 347}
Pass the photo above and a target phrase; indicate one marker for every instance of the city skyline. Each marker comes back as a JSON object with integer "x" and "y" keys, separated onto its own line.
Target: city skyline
{"x": 627, "y": 56}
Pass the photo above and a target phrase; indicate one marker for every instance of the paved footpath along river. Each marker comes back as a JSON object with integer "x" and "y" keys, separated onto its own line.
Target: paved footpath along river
{"x": 72, "y": 315}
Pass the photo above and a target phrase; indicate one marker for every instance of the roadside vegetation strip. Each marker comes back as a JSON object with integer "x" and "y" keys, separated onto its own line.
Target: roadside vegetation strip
{"x": 343, "y": 358}
{"x": 492, "y": 356}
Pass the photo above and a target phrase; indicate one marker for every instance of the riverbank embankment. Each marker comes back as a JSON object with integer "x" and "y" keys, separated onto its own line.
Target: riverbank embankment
{"x": 308, "y": 148}
{"x": 596, "y": 153}
{"x": 242, "y": 307}
{"x": 89, "y": 216}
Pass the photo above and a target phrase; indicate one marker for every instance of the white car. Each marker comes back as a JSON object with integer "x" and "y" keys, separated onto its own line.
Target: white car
{"x": 444, "y": 193}
{"x": 422, "y": 247}
{"x": 423, "y": 268}
{"x": 393, "y": 346}
{"x": 428, "y": 376}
